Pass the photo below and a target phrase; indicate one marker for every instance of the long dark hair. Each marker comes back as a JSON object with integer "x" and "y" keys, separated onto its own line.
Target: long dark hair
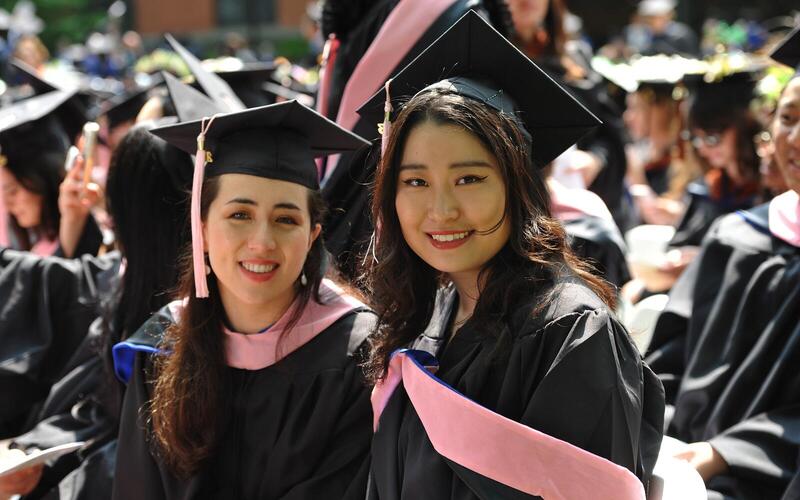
{"x": 190, "y": 389}
{"x": 404, "y": 287}
{"x": 149, "y": 211}
{"x": 42, "y": 175}
{"x": 715, "y": 112}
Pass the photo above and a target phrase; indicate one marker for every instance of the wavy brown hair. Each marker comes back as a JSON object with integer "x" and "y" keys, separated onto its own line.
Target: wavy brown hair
{"x": 404, "y": 287}
{"x": 191, "y": 383}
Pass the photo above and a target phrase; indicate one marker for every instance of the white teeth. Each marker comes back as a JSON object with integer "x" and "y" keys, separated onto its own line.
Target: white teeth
{"x": 450, "y": 237}
{"x": 258, "y": 268}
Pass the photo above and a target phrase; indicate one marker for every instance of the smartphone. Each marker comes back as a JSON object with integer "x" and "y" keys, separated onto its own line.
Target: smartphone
{"x": 90, "y": 130}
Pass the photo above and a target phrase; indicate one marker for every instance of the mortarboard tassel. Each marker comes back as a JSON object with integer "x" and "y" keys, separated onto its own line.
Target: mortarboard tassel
{"x": 387, "y": 118}
{"x": 198, "y": 257}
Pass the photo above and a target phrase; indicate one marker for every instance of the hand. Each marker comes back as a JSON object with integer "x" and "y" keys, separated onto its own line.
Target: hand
{"x": 21, "y": 482}
{"x": 677, "y": 259}
{"x": 74, "y": 199}
{"x": 704, "y": 458}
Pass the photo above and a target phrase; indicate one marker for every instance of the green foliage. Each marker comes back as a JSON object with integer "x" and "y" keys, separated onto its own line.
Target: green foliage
{"x": 70, "y": 21}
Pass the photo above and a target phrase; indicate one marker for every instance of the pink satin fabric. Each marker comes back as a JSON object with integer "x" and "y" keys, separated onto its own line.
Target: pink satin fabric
{"x": 502, "y": 449}
{"x": 45, "y": 248}
{"x": 260, "y": 350}
{"x": 784, "y": 217}
{"x": 404, "y": 26}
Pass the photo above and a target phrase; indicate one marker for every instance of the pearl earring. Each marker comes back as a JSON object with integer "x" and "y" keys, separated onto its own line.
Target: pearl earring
{"x": 303, "y": 280}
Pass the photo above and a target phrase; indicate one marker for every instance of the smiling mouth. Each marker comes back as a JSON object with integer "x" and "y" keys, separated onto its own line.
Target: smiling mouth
{"x": 450, "y": 237}
{"x": 259, "y": 268}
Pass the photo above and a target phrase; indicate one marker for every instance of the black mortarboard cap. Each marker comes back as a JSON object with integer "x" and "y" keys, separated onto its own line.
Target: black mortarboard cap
{"x": 216, "y": 88}
{"x": 278, "y": 141}
{"x": 126, "y": 106}
{"x": 473, "y": 59}
{"x": 190, "y": 104}
{"x": 72, "y": 114}
{"x": 29, "y": 127}
{"x": 788, "y": 50}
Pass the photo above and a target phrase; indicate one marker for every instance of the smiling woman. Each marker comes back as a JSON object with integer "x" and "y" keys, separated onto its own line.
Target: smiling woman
{"x": 257, "y": 391}
{"x": 470, "y": 274}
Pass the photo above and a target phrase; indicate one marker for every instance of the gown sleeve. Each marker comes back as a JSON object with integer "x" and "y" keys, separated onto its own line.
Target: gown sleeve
{"x": 46, "y": 307}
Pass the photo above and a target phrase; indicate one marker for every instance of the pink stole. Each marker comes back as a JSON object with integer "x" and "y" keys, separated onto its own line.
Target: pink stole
{"x": 497, "y": 447}
{"x": 404, "y": 26}
{"x": 45, "y": 248}
{"x": 784, "y": 217}
{"x": 260, "y": 350}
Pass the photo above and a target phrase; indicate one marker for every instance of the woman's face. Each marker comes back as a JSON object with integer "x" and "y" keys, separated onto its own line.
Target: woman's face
{"x": 786, "y": 134}
{"x": 637, "y": 116}
{"x": 449, "y": 190}
{"x": 257, "y": 233}
{"x": 24, "y": 205}
{"x": 528, "y": 14}
{"x": 717, "y": 148}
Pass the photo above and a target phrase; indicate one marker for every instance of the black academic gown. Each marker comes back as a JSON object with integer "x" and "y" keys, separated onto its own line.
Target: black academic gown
{"x": 570, "y": 371}
{"x": 727, "y": 348}
{"x": 77, "y": 409}
{"x": 298, "y": 429}
{"x": 599, "y": 242}
{"x": 701, "y": 211}
{"x": 46, "y": 307}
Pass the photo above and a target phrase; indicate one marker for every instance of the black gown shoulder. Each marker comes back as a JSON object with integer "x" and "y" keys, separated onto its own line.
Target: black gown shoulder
{"x": 569, "y": 370}
{"x": 297, "y": 429}
{"x": 727, "y": 348}
{"x": 600, "y": 242}
{"x": 46, "y": 307}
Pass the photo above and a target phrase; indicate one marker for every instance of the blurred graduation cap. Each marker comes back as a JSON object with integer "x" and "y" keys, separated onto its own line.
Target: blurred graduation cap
{"x": 659, "y": 74}
{"x": 285, "y": 93}
{"x": 472, "y": 59}
{"x": 73, "y": 114}
{"x": 29, "y": 128}
{"x": 125, "y": 107}
{"x": 190, "y": 104}
{"x": 213, "y": 85}
{"x": 788, "y": 51}
{"x": 278, "y": 141}
{"x": 728, "y": 82}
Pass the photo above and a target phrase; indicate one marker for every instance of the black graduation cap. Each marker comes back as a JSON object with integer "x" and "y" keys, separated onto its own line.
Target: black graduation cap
{"x": 213, "y": 85}
{"x": 788, "y": 51}
{"x": 29, "y": 128}
{"x": 73, "y": 114}
{"x": 246, "y": 82}
{"x": 278, "y": 141}
{"x": 125, "y": 107}
{"x": 473, "y": 59}
{"x": 190, "y": 104}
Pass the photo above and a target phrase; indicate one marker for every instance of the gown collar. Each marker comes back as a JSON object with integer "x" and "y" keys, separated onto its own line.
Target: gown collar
{"x": 260, "y": 350}
{"x": 433, "y": 339}
{"x": 784, "y": 217}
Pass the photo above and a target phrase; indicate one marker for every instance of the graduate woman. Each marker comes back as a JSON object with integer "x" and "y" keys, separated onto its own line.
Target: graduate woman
{"x": 538, "y": 390}
{"x": 256, "y": 392}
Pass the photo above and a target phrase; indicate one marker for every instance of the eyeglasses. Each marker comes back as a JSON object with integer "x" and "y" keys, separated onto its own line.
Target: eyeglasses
{"x": 707, "y": 140}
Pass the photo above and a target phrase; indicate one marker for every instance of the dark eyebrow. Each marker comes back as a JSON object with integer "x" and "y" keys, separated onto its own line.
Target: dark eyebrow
{"x": 471, "y": 163}
{"x": 247, "y": 201}
{"x": 458, "y": 164}
{"x": 287, "y": 205}
{"x": 243, "y": 201}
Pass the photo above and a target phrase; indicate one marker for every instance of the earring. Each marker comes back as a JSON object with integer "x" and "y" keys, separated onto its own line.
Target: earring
{"x": 208, "y": 266}
{"x": 303, "y": 280}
